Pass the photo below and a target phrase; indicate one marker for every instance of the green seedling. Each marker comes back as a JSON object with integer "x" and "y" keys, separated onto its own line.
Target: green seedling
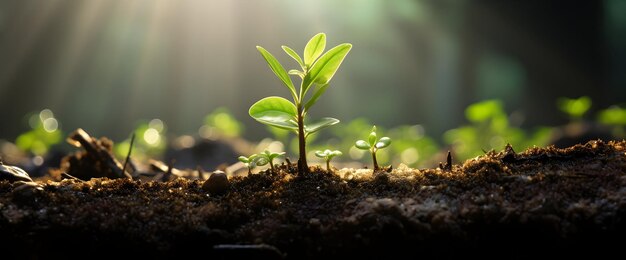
{"x": 316, "y": 71}
{"x": 373, "y": 144}
{"x": 250, "y": 162}
{"x": 575, "y": 108}
{"x": 267, "y": 157}
{"x": 616, "y": 118}
{"x": 327, "y": 155}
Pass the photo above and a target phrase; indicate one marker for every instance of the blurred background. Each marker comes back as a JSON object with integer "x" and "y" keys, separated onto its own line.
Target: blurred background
{"x": 187, "y": 71}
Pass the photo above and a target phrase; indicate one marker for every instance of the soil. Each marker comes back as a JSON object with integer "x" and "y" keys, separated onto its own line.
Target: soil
{"x": 541, "y": 202}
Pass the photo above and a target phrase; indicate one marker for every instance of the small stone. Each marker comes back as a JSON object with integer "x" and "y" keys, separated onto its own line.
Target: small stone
{"x": 25, "y": 192}
{"x": 13, "y": 174}
{"x": 217, "y": 183}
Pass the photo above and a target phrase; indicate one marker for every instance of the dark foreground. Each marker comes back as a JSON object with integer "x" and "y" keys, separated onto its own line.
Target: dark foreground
{"x": 542, "y": 202}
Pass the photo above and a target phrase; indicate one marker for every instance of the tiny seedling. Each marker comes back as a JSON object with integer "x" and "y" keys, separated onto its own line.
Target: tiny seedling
{"x": 315, "y": 72}
{"x": 327, "y": 155}
{"x": 575, "y": 108}
{"x": 267, "y": 157}
{"x": 250, "y": 162}
{"x": 373, "y": 144}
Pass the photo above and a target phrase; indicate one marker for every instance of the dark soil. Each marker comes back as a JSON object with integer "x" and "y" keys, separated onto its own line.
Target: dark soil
{"x": 542, "y": 202}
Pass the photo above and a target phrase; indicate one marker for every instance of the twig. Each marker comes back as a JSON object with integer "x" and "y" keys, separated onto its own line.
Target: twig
{"x": 130, "y": 149}
{"x": 68, "y": 176}
{"x": 200, "y": 173}
{"x": 80, "y": 138}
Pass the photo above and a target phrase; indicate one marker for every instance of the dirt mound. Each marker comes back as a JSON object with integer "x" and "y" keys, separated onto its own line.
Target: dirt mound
{"x": 550, "y": 201}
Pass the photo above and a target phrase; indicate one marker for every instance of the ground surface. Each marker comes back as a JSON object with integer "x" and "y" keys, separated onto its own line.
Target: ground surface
{"x": 560, "y": 202}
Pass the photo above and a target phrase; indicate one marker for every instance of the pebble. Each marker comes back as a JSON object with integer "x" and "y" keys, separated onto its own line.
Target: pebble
{"x": 13, "y": 174}
{"x": 217, "y": 183}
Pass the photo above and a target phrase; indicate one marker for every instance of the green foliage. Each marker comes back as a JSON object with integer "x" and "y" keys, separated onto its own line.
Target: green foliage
{"x": 574, "y": 107}
{"x": 221, "y": 122}
{"x": 327, "y": 155}
{"x": 250, "y": 162}
{"x": 43, "y": 135}
{"x": 411, "y": 146}
{"x": 613, "y": 116}
{"x": 267, "y": 157}
{"x": 616, "y": 118}
{"x": 373, "y": 144}
{"x": 317, "y": 70}
{"x": 261, "y": 159}
{"x": 150, "y": 142}
{"x": 490, "y": 129}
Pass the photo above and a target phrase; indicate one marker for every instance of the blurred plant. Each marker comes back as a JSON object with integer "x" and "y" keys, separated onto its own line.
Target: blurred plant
{"x": 345, "y": 134}
{"x": 490, "y": 129}
{"x": 328, "y": 155}
{"x": 317, "y": 71}
{"x": 43, "y": 135}
{"x": 267, "y": 157}
{"x": 615, "y": 117}
{"x": 151, "y": 141}
{"x": 373, "y": 144}
{"x": 220, "y": 123}
{"x": 411, "y": 146}
{"x": 249, "y": 162}
{"x": 575, "y": 108}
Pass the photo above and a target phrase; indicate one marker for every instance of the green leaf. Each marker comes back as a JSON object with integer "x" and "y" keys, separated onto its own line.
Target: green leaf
{"x": 272, "y": 156}
{"x": 362, "y": 145}
{"x": 336, "y": 153}
{"x": 261, "y": 160}
{"x": 325, "y": 67}
{"x": 484, "y": 110}
{"x": 297, "y": 73}
{"x": 613, "y": 116}
{"x": 294, "y": 55}
{"x": 275, "y": 111}
{"x": 316, "y": 95}
{"x": 314, "y": 48}
{"x": 323, "y": 123}
{"x": 321, "y": 154}
{"x": 278, "y": 69}
{"x": 243, "y": 159}
{"x": 332, "y": 154}
{"x": 372, "y": 138}
{"x": 574, "y": 107}
{"x": 383, "y": 142}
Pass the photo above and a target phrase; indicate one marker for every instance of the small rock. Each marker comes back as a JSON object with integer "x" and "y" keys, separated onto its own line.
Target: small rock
{"x": 217, "y": 183}
{"x": 13, "y": 174}
{"x": 26, "y": 192}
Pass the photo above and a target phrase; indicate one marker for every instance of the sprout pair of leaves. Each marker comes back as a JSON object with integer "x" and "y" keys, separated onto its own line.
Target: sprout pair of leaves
{"x": 317, "y": 70}
{"x": 328, "y": 155}
{"x": 373, "y": 144}
{"x": 260, "y": 160}
{"x": 574, "y": 107}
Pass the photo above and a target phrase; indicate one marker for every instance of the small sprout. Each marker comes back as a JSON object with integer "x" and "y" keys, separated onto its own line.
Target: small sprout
{"x": 575, "y": 108}
{"x": 267, "y": 157}
{"x": 250, "y": 162}
{"x": 327, "y": 155}
{"x": 373, "y": 144}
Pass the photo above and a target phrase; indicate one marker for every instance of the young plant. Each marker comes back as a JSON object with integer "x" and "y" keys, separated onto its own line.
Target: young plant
{"x": 575, "y": 108}
{"x": 373, "y": 144}
{"x": 250, "y": 162}
{"x": 327, "y": 155}
{"x": 267, "y": 157}
{"x": 317, "y": 69}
